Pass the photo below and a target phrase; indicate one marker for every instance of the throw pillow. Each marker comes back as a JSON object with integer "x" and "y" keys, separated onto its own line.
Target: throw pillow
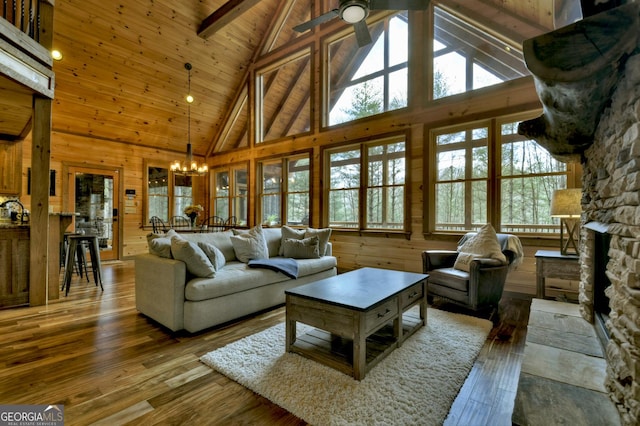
{"x": 159, "y": 245}
{"x": 289, "y": 233}
{"x": 197, "y": 262}
{"x": 482, "y": 245}
{"x": 250, "y": 244}
{"x": 214, "y": 254}
{"x": 306, "y": 248}
{"x": 322, "y": 234}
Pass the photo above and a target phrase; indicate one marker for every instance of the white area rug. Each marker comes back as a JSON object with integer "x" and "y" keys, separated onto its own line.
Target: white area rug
{"x": 415, "y": 385}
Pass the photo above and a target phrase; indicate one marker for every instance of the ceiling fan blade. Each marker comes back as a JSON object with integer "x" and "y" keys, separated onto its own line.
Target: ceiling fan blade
{"x": 362, "y": 33}
{"x": 398, "y": 4}
{"x": 316, "y": 21}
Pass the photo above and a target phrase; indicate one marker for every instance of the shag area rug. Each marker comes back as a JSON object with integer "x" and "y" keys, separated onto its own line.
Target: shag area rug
{"x": 415, "y": 385}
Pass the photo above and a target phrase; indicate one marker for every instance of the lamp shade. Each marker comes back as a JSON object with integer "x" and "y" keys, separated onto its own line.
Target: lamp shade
{"x": 566, "y": 203}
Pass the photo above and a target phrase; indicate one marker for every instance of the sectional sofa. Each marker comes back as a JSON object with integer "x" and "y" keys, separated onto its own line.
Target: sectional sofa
{"x": 200, "y": 280}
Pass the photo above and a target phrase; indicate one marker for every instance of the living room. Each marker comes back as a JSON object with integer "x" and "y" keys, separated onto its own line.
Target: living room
{"x": 123, "y": 70}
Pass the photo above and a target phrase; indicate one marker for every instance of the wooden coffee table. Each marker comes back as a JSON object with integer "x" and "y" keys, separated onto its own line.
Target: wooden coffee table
{"x": 360, "y": 317}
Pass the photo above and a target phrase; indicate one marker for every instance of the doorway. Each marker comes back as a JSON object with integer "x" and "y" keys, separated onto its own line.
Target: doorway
{"x": 94, "y": 195}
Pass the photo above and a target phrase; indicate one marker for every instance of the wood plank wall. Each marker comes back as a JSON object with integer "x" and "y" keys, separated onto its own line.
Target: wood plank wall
{"x": 352, "y": 251}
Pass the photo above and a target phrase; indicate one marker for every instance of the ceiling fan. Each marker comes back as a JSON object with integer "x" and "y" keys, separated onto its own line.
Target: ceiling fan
{"x": 356, "y": 11}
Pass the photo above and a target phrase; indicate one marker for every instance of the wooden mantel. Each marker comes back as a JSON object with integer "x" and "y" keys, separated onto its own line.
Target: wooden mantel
{"x": 576, "y": 69}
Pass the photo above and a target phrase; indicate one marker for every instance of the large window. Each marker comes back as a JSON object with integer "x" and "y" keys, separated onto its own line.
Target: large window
{"x": 167, "y": 194}
{"x": 514, "y": 198}
{"x": 367, "y": 186}
{"x": 285, "y": 185}
{"x": 283, "y": 101}
{"x": 230, "y": 194}
{"x": 372, "y": 79}
{"x": 466, "y": 58}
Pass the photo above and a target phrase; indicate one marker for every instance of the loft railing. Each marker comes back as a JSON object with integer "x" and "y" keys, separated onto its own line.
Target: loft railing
{"x": 24, "y": 15}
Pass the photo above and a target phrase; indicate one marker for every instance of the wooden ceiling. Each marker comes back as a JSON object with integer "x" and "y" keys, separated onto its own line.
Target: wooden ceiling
{"x": 122, "y": 77}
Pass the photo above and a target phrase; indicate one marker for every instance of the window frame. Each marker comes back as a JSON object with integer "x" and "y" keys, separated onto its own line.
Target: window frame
{"x": 171, "y": 197}
{"x": 283, "y": 193}
{"x": 385, "y": 72}
{"x": 232, "y": 196}
{"x": 494, "y": 179}
{"x": 362, "y": 145}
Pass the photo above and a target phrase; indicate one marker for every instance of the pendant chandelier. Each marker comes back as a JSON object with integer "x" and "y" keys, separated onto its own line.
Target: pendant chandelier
{"x": 189, "y": 166}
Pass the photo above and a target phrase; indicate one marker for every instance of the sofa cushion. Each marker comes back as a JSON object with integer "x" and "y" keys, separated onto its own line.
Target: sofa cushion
{"x": 306, "y": 248}
{"x": 222, "y": 241}
{"x": 482, "y": 245}
{"x": 197, "y": 262}
{"x": 159, "y": 245}
{"x": 214, "y": 255}
{"x": 287, "y": 234}
{"x": 250, "y": 244}
{"x": 322, "y": 234}
{"x": 450, "y": 277}
{"x": 237, "y": 276}
{"x": 313, "y": 266}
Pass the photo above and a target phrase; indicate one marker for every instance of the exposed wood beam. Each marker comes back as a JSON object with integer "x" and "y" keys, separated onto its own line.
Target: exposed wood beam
{"x": 224, "y": 15}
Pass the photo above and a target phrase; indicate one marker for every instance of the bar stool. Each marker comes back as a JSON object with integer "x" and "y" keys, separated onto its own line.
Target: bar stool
{"x": 76, "y": 242}
{"x": 80, "y": 263}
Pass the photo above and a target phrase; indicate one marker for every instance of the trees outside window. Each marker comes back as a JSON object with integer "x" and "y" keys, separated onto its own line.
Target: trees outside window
{"x": 467, "y": 58}
{"x": 158, "y": 193}
{"x": 373, "y": 77}
{"x": 182, "y": 194}
{"x": 525, "y": 177}
{"x": 367, "y": 186}
{"x": 285, "y": 193}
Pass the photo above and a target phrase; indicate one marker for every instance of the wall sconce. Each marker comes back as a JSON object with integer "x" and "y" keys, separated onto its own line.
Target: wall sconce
{"x": 566, "y": 204}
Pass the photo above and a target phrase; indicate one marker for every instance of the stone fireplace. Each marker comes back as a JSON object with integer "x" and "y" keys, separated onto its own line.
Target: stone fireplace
{"x": 611, "y": 203}
{"x": 592, "y": 115}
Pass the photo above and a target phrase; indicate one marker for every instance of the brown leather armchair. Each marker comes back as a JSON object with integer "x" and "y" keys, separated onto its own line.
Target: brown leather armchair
{"x": 482, "y": 286}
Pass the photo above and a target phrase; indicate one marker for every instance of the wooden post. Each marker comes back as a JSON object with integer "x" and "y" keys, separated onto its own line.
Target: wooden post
{"x": 40, "y": 164}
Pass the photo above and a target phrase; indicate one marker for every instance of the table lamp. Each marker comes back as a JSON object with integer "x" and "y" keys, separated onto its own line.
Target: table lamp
{"x": 565, "y": 204}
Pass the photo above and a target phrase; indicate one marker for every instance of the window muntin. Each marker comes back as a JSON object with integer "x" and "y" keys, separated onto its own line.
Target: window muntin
{"x": 364, "y": 82}
{"x": 230, "y": 194}
{"x": 383, "y": 186}
{"x": 466, "y": 58}
{"x": 285, "y": 190}
{"x": 526, "y": 176}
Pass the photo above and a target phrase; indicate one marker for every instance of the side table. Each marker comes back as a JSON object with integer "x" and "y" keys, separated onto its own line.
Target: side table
{"x": 553, "y": 264}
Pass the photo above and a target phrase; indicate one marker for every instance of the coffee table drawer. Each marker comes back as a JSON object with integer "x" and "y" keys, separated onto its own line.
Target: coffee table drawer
{"x": 411, "y": 295}
{"x": 381, "y": 315}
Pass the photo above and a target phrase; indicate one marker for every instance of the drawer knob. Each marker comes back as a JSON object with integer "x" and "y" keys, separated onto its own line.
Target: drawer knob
{"x": 412, "y": 295}
{"x": 386, "y": 311}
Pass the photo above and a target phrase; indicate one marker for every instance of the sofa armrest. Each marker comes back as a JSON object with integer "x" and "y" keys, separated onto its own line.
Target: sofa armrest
{"x": 329, "y": 249}
{"x": 160, "y": 285}
{"x": 435, "y": 259}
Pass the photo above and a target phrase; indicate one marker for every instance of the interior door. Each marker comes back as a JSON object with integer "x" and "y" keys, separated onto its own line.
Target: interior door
{"x": 94, "y": 194}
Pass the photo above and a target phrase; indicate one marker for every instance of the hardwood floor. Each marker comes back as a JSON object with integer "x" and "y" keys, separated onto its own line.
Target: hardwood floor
{"x": 108, "y": 364}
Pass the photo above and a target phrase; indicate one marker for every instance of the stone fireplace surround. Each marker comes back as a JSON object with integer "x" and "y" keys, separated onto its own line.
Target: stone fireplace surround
{"x": 611, "y": 200}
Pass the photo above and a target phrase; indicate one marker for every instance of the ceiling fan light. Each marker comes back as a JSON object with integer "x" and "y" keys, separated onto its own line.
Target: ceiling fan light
{"x": 353, "y": 11}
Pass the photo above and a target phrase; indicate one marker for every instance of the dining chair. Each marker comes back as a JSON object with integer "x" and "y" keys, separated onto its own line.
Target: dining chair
{"x": 158, "y": 225}
{"x": 180, "y": 222}
{"x": 213, "y": 224}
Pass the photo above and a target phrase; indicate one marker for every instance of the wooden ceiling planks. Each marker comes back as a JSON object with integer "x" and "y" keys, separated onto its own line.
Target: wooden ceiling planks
{"x": 123, "y": 75}
{"x": 128, "y": 61}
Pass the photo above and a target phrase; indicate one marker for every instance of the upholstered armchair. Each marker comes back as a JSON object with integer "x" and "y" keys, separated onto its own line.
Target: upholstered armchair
{"x": 482, "y": 286}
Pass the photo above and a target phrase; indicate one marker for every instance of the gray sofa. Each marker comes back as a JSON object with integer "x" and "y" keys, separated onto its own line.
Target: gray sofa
{"x": 168, "y": 294}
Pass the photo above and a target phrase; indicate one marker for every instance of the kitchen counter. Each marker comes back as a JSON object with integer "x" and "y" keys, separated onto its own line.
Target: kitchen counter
{"x": 13, "y": 225}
